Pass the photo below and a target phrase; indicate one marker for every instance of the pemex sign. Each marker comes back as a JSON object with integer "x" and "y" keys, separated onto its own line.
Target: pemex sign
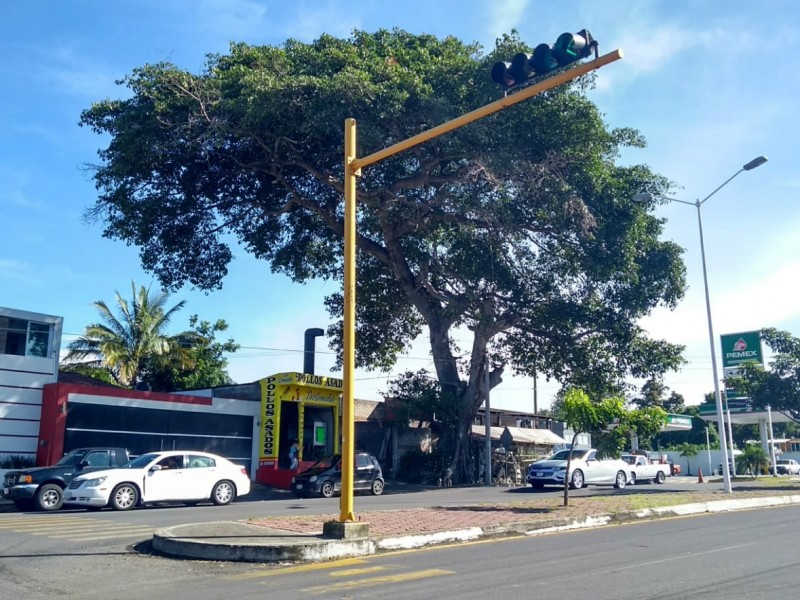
{"x": 737, "y": 349}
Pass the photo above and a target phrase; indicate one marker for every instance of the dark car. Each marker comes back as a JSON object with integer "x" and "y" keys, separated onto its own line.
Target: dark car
{"x": 324, "y": 478}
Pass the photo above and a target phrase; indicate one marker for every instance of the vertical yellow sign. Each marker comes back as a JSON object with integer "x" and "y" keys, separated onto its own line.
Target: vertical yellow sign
{"x": 270, "y": 420}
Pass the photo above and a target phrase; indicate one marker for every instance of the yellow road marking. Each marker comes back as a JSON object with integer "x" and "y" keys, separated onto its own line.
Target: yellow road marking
{"x": 80, "y": 535}
{"x": 352, "y": 572}
{"x": 38, "y": 529}
{"x": 109, "y": 536}
{"x": 346, "y": 562}
{"x": 399, "y": 578}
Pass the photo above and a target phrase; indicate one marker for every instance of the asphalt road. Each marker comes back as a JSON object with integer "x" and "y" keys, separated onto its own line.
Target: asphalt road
{"x": 748, "y": 554}
{"x": 82, "y": 531}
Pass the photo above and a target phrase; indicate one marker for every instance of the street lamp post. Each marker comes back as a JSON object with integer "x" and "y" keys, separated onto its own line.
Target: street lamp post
{"x": 646, "y": 197}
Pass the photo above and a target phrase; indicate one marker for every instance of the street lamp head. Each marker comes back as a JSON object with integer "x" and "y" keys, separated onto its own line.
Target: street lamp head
{"x": 642, "y": 197}
{"x": 756, "y": 162}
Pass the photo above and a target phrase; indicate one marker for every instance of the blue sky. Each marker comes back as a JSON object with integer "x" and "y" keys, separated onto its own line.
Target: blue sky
{"x": 710, "y": 84}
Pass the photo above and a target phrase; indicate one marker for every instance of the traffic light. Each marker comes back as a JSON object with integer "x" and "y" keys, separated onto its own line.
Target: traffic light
{"x": 569, "y": 47}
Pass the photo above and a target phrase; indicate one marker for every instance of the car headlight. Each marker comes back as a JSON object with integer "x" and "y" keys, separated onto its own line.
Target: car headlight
{"x": 294, "y": 479}
{"x": 95, "y": 482}
{"x": 560, "y": 469}
{"x": 26, "y": 479}
{"x": 312, "y": 479}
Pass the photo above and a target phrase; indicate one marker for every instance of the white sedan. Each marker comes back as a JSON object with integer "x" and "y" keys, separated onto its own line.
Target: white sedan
{"x": 176, "y": 476}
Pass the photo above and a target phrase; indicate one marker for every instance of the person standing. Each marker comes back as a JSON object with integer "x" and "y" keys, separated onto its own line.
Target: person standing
{"x": 294, "y": 451}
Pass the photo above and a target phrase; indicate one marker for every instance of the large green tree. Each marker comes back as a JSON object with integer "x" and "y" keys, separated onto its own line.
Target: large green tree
{"x": 127, "y": 342}
{"x": 518, "y": 228}
{"x": 207, "y": 367}
{"x": 778, "y": 387}
{"x": 655, "y": 393}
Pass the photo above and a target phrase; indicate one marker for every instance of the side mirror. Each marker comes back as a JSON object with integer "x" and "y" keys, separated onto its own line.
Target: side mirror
{"x": 155, "y": 468}
{"x": 83, "y": 464}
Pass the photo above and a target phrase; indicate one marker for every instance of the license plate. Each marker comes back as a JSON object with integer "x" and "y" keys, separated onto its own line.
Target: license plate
{"x": 539, "y": 474}
{"x": 299, "y": 486}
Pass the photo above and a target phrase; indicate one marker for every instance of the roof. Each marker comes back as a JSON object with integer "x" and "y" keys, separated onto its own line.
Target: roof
{"x": 81, "y": 379}
{"x": 522, "y": 435}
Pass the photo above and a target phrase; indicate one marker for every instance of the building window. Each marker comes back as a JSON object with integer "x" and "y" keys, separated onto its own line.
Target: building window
{"x": 24, "y": 338}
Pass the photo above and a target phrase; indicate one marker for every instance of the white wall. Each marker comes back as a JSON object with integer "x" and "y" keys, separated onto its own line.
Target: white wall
{"x": 701, "y": 460}
{"x": 22, "y": 379}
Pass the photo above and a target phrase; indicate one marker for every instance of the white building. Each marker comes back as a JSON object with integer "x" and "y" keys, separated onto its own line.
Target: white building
{"x": 29, "y": 352}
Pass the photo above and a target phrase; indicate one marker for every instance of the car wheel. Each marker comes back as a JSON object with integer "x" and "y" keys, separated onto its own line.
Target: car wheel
{"x": 49, "y": 497}
{"x": 377, "y": 487}
{"x": 326, "y": 490}
{"x": 223, "y": 493}
{"x": 633, "y": 478}
{"x": 124, "y": 497}
{"x": 621, "y": 480}
{"x": 576, "y": 481}
{"x": 660, "y": 477}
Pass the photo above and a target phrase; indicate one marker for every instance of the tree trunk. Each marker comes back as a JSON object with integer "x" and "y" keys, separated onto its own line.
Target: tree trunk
{"x": 566, "y": 473}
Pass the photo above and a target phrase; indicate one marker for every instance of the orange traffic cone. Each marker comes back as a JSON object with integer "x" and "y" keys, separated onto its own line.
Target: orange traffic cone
{"x": 700, "y": 475}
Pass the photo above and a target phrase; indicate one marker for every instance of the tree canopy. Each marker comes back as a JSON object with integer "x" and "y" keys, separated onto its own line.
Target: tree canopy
{"x": 778, "y": 387}
{"x": 208, "y": 366}
{"x": 519, "y": 228}
{"x": 607, "y": 419}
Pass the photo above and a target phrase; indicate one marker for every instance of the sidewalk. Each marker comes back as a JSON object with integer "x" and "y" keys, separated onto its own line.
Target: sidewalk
{"x": 299, "y": 538}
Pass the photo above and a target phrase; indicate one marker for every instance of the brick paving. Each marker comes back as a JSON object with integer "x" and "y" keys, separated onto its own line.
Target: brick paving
{"x": 434, "y": 519}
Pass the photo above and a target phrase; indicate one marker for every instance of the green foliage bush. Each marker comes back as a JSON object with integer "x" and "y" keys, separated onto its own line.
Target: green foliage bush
{"x": 16, "y": 461}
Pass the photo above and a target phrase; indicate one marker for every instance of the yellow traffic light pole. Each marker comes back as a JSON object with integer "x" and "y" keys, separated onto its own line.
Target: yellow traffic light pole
{"x": 352, "y": 169}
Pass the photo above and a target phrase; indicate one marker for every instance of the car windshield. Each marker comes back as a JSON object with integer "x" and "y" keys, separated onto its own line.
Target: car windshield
{"x": 564, "y": 454}
{"x": 71, "y": 458}
{"x": 140, "y": 462}
{"x": 784, "y": 462}
{"x": 631, "y": 460}
{"x": 326, "y": 463}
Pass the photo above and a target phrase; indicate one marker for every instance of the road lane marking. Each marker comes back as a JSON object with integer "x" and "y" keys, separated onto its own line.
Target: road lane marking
{"x": 353, "y": 572}
{"x": 73, "y": 528}
{"x": 346, "y": 562}
{"x": 384, "y": 579}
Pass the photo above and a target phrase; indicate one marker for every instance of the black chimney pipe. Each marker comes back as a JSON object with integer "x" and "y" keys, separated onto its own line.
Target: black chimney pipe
{"x": 308, "y": 349}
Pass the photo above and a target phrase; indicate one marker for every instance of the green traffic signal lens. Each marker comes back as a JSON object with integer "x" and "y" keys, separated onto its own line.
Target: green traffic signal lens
{"x": 570, "y": 47}
{"x": 543, "y": 60}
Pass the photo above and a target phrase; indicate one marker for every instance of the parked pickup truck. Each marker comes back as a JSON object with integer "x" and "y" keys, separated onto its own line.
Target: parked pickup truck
{"x": 43, "y": 487}
{"x": 584, "y": 469}
{"x": 643, "y": 469}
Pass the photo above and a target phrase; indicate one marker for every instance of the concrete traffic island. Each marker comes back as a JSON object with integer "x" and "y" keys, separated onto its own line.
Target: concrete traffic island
{"x": 245, "y": 542}
{"x": 304, "y": 539}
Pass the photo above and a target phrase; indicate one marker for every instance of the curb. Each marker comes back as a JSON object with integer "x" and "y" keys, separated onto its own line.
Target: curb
{"x": 309, "y": 548}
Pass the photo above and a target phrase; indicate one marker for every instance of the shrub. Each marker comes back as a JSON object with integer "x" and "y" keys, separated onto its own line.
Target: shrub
{"x": 16, "y": 461}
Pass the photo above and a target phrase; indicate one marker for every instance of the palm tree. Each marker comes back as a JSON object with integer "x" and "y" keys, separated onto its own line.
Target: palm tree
{"x": 125, "y": 344}
{"x": 685, "y": 449}
{"x": 754, "y": 459}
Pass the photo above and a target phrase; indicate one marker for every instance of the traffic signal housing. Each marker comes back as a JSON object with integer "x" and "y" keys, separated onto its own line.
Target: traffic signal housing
{"x": 546, "y": 58}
